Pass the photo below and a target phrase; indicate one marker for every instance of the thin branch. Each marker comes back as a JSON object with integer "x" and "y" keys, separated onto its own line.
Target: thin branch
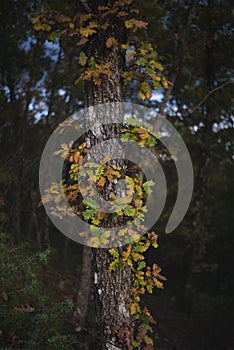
{"x": 179, "y": 55}
{"x": 210, "y": 93}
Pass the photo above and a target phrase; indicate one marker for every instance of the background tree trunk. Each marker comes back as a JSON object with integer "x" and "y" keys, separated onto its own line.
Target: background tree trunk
{"x": 82, "y": 298}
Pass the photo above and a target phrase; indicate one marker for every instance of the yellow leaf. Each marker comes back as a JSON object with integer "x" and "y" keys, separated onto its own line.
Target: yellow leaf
{"x": 86, "y": 32}
{"x": 127, "y": 76}
{"x": 137, "y": 257}
{"x": 133, "y": 309}
{"x": 35, "y": 19}
{"x": 148, "y": 340}
{"x": 113, "y": 264}
{"x": 145, "y": 91}
{"x": 122, "y": 232}
{"x": 165, "y": 84}
{"x": 158, "y": 284}
{"x": 149, "y": 288}
{"x": 135, "y": 23}
{"x": 82, "y": 58}
{"x": 128, "y": 24}
{"x": 126, "y": 255}
{"x": 142, "y": 95}
{"x": 114, "y": 252}
{"x": 146, "y": 312}
{"x": 131, "y": 54}
{"x": 95, "y": 221}
{"x": 105, "y": 25}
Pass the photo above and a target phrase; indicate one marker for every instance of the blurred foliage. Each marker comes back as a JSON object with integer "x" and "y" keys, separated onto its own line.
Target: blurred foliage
{"x": 29, "y": 317}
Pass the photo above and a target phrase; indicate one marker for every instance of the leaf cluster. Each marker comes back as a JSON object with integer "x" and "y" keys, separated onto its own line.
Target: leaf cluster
{"x": 142, "y": 60}
{"x": 145, "y": 279}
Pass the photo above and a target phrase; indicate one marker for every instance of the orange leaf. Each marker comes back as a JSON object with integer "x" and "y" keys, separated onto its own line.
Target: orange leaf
{"x": 78, "y": 158}
{"x": 111, "y": 42}
{"x": 101, "y": 182}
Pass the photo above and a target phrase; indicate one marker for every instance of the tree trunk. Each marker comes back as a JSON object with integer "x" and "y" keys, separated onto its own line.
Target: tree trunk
{"x": 82, "y": 298}
{"x": 111, "y": 288}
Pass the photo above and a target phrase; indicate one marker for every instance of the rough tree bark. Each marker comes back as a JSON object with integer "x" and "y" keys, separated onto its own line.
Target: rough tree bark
{"x": 112, "y": 288}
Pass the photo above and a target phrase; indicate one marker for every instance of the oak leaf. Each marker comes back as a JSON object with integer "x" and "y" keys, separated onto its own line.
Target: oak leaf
{"x": 62, "y": 18}
{"x": 111, "y": 42}
{"x": 86, "y": 32}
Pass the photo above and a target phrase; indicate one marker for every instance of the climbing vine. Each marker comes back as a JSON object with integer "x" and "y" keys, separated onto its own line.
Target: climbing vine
{"x": 145, "y": 279}
{"x": 133, "y": 208}
{"x": 143, "y": 66}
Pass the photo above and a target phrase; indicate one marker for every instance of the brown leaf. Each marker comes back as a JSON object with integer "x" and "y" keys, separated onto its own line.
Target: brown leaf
{"x": 85, "y": 17}
{"x": 2, "y": 201}
{"x": 135, "y": 23}
{"x": 82, "y": 41}
{"x": 149, "y": 347}
{"x": 141, "y": 335}
{"x": 62, "y": 18}
{"x": 26, "y": 308}
{"x": 111, "y": 42}
{"x": 14, "y": 340}
{"x": 140, "y": 24}
{"x": 103, "y": 8}
{"x": 122, "y": 14}
{"x": 4, "y": 296}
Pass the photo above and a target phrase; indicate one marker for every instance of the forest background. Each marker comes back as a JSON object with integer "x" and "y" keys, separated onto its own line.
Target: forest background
{"x": 40, "y": 268}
